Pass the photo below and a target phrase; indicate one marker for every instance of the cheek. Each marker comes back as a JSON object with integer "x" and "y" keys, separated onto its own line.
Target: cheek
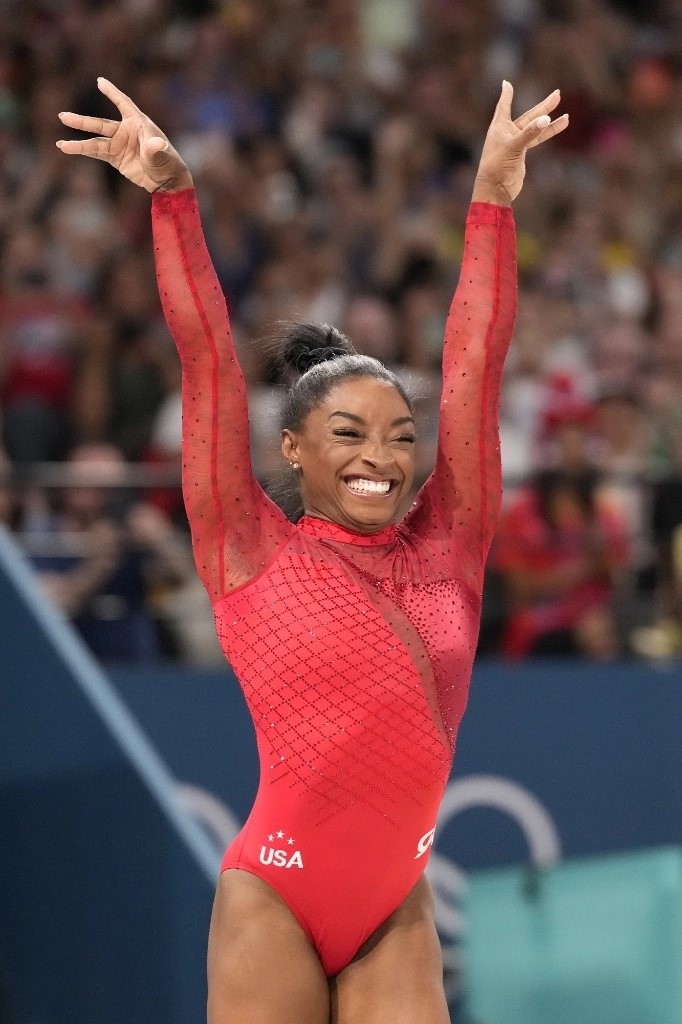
{"x": 321, "y": 465}
{"x": 407, "y": 462}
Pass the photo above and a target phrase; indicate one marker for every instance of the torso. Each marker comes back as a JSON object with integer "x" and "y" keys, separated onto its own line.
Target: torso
{"x": 355, "y": 660}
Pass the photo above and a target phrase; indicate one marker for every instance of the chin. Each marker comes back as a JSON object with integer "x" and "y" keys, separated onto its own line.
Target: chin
{"x": 370, "y": 518}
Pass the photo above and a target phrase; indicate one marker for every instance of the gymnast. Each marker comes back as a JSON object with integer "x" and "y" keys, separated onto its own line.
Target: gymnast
{"x": 352, "y": 634}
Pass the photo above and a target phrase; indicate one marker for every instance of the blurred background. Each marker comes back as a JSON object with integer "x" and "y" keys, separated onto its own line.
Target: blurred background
{"x": 333, "y": 145}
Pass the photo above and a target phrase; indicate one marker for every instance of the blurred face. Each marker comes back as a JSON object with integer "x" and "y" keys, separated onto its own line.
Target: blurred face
{"x": 100, "y": 464}
{"x": 356, "y": 454}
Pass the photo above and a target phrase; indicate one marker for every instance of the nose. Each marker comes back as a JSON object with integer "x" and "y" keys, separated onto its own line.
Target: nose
{"x": 379, "y": 457}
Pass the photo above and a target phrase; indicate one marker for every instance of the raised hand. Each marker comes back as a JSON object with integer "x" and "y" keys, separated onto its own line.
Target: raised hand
{"x": 502, "y": 166}
{"x": 135, "y": 146}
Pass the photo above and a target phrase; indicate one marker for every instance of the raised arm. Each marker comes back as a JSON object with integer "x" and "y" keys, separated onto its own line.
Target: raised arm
{"x": 466, "y": 482}
{"x": 235, "y": 528}
{"x": 459, "y": 505}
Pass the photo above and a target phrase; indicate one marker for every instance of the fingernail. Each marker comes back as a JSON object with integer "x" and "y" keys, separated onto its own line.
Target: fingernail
{"x": 543, "y": 121}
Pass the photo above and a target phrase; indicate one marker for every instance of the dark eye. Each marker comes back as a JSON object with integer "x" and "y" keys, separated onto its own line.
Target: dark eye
{"x": 409, "y": 438}
{"x": 346, "y": 432}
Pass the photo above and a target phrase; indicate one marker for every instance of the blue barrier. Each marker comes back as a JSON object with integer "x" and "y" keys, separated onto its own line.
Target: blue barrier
{"x": 597, "y": 747}
{"x": 105, "y": 880}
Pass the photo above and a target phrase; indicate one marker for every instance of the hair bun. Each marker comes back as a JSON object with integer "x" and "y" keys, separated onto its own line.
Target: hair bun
{"x": 306, "y": 345}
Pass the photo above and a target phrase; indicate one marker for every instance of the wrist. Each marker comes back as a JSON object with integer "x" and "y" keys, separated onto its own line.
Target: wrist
{"x": 179, "y": 184}
{"x": 488, "y": 190}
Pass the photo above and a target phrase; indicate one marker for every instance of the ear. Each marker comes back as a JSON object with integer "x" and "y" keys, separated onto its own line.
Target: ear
{"x": 289, "y": 446}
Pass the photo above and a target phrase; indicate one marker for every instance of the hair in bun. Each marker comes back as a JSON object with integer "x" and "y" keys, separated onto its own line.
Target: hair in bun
{"x": 306, "y": 345}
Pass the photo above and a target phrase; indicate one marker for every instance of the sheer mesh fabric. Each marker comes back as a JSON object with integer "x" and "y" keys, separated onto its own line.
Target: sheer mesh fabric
{"x": 354, "y": 652}
{"x": 235, "y": 528}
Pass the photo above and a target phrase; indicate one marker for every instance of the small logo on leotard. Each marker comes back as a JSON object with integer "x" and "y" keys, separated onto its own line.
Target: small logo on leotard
{"x": 425, "y": 843}
{"x": 288, "y": 857}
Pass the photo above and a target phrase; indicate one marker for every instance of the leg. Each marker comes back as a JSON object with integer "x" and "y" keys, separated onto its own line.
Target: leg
{"x": 397, "y": 976}
{"x": 262, "y": 968}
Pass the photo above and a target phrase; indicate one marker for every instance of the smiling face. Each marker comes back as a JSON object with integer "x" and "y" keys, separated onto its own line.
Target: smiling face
{"x": 356, "y": 454}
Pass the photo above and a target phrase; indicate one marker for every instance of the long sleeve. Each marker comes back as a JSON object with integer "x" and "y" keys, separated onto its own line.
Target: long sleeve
{"x": 460, "y": 502}
{"x": 236, "y": 529}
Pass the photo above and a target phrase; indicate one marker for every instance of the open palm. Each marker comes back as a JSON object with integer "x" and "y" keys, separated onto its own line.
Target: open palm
{"x": 503, "y": 158}
{"x": 135, "y": 146}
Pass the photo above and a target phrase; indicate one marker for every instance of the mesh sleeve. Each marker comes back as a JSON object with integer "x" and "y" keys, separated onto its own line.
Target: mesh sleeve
{"x": 459, "y": 504}
{"x": 236, "y": 529}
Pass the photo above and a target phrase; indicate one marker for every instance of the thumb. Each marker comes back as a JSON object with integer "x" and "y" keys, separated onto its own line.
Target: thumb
{"x": 535, "y": 128}
{"x": 153, "y": 149}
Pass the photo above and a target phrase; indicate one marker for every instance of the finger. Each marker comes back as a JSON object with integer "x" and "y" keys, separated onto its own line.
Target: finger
{"x": 525, "y": 139}
{"x": 546, "y": 107}
{"x": 94, "y": 125}
{"x": 123, "y": 102}
{"x": 503, "y": 108}
{"x": 99, "y": 148}
{"x": 555, "y": 128}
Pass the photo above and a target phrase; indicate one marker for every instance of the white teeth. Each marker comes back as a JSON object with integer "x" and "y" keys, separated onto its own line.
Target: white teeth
{"x": 369, "y": 486}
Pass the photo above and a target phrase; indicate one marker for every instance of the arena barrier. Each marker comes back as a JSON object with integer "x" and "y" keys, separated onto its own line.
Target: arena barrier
{"x": 105, "y": 879}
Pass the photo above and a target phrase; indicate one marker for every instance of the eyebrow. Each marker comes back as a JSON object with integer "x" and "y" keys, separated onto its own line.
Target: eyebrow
{"x": 359, "y": 419}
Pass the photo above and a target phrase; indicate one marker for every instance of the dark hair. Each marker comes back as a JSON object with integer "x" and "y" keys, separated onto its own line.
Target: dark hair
{"x": 583, "y": 485}
{"x": 313, "y": 359}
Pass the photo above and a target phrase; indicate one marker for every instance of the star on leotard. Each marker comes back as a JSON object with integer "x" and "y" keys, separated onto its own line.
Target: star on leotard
{"x": 270, "y": 837}
{"x": 290, "y": 842}
{"x": 280, "y": 834}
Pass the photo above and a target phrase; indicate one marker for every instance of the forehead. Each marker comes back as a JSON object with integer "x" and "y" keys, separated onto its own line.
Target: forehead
{"x": 368, "y": 397}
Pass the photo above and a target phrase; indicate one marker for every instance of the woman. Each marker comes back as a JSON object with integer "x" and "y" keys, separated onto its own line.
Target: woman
{"x": 561, "y": 552}
{"x": 352, "y": 637}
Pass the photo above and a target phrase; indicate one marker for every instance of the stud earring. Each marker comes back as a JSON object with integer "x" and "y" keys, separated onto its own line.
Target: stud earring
{"x": 294, "y": 465}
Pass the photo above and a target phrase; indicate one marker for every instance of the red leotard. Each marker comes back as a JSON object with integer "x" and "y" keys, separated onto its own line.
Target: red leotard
{"x": 354, "y": 651}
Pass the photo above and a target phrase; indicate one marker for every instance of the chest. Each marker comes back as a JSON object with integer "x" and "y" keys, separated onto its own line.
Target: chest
{"x": 314, "y": 616}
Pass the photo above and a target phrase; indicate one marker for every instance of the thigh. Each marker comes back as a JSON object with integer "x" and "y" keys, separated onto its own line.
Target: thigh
{"x": 397, "y": 976}
{"x": 262, "y": 968}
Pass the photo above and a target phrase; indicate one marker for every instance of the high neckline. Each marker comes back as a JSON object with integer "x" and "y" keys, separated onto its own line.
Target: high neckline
{"x": 326, "y": 530}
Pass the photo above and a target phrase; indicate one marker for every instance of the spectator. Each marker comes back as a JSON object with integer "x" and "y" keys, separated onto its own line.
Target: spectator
{"x": 560, "y": 555}
{"x": 333, "y": 151}
{"x": 99, "y": 554}
{"x": 622, "y": 455}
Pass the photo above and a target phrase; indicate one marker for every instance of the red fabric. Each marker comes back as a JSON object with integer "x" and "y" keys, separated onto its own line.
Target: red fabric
{"x": 526, "y": 542}
{"x": 354, "y": 652}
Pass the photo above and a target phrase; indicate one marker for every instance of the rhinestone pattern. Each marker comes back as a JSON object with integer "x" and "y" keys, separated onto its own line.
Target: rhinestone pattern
{"x": 335, "y": 697}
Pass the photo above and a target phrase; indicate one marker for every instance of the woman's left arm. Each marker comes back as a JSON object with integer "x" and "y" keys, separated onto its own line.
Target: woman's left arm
{"x": 461, "y": 499}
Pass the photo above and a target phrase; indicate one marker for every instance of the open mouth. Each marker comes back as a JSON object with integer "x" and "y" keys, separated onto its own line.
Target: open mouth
{"x": 363, "y": 487}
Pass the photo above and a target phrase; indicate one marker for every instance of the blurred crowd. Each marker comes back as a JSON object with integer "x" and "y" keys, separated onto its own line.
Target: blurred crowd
{"x": 333, "y": 145}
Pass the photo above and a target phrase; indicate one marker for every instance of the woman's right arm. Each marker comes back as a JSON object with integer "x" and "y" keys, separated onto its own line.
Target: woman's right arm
{"x": 236, "y": 529}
